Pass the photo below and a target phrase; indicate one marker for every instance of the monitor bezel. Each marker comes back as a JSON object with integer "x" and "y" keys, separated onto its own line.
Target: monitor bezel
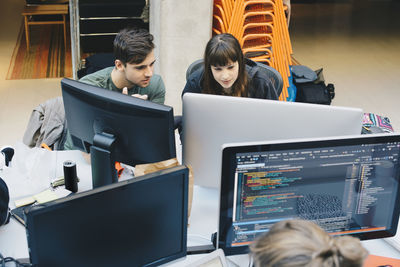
{"x": 116, "y": 127}
{"x": 181, "y": 171}
{"x": 110, "y": 100}
{"x": 230, "y": 150}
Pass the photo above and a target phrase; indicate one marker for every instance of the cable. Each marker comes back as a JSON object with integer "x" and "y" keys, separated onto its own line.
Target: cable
{"x": 251, "y": 263}
{"x": 3, "y": 262}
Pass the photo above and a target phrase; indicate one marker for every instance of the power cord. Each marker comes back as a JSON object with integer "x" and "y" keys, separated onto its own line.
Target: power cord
{"x": 251, "y": 263}
{"x": 5, "y": 260}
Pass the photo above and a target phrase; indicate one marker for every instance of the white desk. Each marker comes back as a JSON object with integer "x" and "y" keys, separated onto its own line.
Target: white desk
{"x": 202, "y": 222}
{"x": 13, "y": 242}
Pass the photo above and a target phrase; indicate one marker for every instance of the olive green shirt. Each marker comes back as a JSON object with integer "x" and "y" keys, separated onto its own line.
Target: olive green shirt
{"x": 155, "y": 91}
{"x": 102, "y": 78}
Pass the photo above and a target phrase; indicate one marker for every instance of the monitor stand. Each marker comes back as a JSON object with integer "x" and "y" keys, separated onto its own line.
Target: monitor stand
{"x": 102, "y": 160}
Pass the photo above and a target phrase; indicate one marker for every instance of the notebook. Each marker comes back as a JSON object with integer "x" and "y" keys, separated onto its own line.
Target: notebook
{"x": 213, "y": 259}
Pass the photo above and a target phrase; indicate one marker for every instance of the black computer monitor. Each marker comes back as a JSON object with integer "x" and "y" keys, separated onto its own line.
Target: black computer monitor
{"x": 347, "y": 185}
{"x": 136, "y": 222}
{"x": 116, "y": 127}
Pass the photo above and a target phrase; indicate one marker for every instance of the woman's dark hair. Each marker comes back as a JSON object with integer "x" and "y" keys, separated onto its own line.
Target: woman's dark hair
{"x": 132, "y": 45}
{"x": 220, "y": 50}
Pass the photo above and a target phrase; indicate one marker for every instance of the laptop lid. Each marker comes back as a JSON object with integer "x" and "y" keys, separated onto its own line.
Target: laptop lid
{"x": 138, "y": 222}
{"x": 209, "y": 121}
{"x": 347, "y": 185}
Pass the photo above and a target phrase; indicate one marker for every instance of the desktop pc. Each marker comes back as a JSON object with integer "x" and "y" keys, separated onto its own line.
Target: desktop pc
{"x": 209, "y": 121}
{"x": 137, "y": 222}
{"x": 115, "y": 127}
{"x": 347, "y": 185}
{"x": 347, "y": 209}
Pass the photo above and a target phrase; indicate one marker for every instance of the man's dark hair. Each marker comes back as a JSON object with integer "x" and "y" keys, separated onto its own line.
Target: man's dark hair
{"x": 132, "y": 45}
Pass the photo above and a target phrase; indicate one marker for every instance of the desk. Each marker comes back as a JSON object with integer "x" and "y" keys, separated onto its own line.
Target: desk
{"x": 202, "y": 222}
{"x": 30, "y": 11}
{"x": 205, "y": 202}
{"x": 13, "y": 240}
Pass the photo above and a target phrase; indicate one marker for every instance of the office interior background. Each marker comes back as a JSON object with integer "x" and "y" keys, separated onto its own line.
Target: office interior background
{"x": 356, "y": 42}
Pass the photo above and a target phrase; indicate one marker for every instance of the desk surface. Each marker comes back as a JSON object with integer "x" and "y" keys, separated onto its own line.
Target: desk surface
{"x": 202, "y": 221}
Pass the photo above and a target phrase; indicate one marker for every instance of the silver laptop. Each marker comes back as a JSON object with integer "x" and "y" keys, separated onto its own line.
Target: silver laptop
{"x": 209, "y": 121}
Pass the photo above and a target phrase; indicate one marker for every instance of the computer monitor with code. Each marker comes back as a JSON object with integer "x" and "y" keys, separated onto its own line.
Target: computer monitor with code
{"x": 347, "y": 185}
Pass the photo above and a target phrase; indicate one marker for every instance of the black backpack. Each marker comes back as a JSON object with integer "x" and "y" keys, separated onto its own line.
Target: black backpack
{"x": 315, "y": 92}
{"x": 4, "y": 200}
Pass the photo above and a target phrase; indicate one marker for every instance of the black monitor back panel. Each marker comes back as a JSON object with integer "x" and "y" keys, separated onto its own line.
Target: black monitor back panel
{"x": 139, "y": 222}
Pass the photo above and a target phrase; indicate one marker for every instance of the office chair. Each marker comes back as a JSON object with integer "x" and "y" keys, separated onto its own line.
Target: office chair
{"x": 194, "y": 66}
{"x": 199, "y": 63}
{"x": 273, "y": 75}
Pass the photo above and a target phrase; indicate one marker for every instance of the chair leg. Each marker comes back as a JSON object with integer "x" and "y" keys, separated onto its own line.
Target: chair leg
{"x": 65, "y": 33}
{"x": 27, "y": 33}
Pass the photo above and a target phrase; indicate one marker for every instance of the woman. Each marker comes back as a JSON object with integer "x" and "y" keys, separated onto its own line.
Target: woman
{"x": 227, "y": 72}
{"x": 296, "y": 243}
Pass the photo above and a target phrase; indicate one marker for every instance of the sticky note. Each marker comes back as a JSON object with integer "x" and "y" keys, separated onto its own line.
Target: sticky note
{"x": 24, "y": 201}
{"x": 45, "y": 196}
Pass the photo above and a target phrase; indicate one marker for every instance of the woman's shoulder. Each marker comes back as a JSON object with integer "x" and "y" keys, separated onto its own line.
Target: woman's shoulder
{"x": 196, "y": 75}
{"x": 251, "y": 67}
{"x": 193, "y": 83}
{"x": 261, "y": 85}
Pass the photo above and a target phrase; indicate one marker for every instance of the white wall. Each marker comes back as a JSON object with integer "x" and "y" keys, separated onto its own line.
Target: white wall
{"x": 181, "y": 29}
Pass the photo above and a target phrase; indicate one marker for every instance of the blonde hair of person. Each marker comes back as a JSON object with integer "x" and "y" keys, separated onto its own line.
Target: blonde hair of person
{"x": 295, "y": 243}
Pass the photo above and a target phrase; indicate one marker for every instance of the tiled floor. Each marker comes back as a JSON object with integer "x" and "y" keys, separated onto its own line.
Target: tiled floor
{"x": 357, "y": 45}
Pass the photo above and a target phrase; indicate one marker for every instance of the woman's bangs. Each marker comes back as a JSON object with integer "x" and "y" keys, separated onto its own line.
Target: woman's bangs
{"x": 222, "y": 55}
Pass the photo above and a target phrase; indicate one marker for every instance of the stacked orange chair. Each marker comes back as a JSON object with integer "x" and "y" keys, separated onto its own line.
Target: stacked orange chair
{"x": 222, "y": 13}
{"x": 261, "y": 28}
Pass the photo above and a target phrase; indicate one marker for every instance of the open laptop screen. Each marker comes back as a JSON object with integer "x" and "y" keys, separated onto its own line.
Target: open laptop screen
{"x": 139, "y": 222}
{"x": 347, "y": 185}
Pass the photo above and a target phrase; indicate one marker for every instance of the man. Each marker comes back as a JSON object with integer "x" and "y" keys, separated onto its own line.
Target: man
{"x": 133, "y": 70}
{"x": 134, "y": 63}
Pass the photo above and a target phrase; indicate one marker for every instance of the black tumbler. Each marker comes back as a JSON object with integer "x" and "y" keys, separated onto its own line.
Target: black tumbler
{"x": 70, "y": 178}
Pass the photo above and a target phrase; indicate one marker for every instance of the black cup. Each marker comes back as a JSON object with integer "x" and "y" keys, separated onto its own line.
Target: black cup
{"x": 70, "y": 177}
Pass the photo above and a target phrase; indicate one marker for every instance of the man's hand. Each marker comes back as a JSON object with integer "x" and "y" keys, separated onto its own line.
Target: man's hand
{"x": 125, "y": 92}
{"x": 144, "y": 97}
